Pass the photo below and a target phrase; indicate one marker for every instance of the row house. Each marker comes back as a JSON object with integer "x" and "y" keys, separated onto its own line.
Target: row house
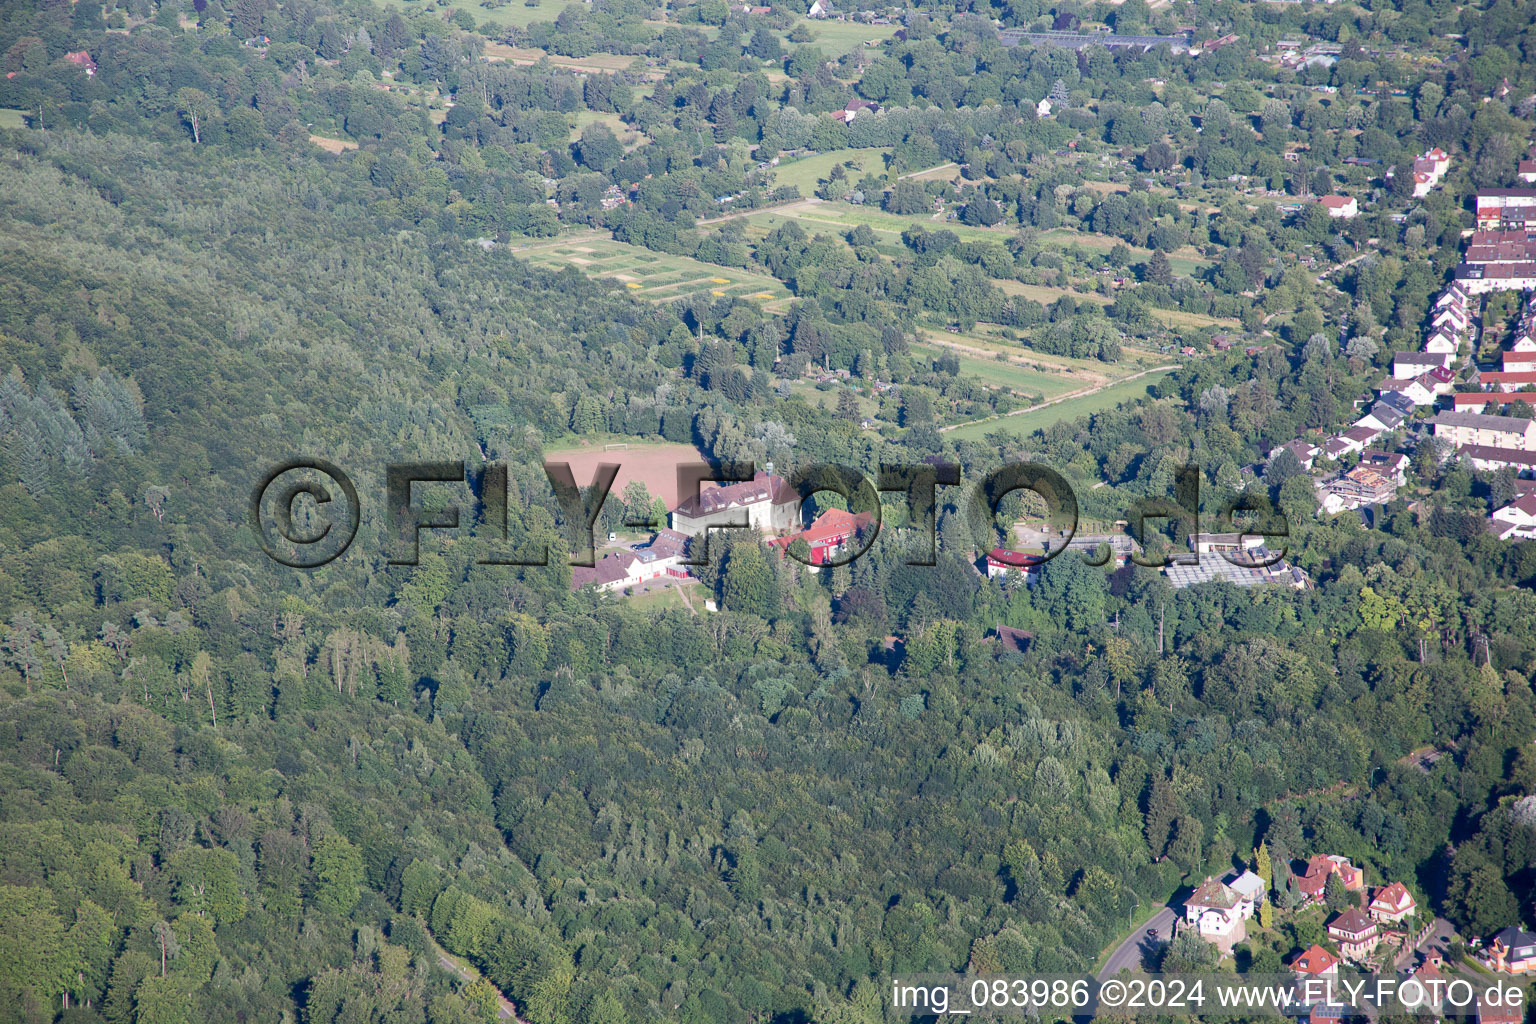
{"x": 1481, "y": 429}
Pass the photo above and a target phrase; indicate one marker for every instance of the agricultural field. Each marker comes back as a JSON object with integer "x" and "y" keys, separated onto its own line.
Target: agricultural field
{"x": 653, "y": 275}
{"x": 808, "y": 171}
{"x": 1027, "y": 423}
{"x": 12, "y": 118}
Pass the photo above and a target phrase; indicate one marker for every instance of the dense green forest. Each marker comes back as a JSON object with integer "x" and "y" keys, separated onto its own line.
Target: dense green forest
{"x": 238, "y": 792}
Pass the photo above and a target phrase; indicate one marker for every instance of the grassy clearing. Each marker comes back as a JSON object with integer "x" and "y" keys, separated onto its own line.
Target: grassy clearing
{"x": 10, "y": 118}
{"x": 1010, "y": 375}
{"x": 827, "y": 399}
{"x": 332, "y": 145}
{"x": 808, "y": 171}
{"x": 1046, "y": 294}
{"x": 652, "y": 275}
{"x": 1180, "y": 318}
{"x": 668, "y": 598}
{"x": 516, "y": 13}
{"x": 1027, "y": 423}
{"x": 835, "y": 38}
{"x": 597, "y": 62}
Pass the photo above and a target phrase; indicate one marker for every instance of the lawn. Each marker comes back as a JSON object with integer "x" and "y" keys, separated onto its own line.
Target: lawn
{"x": 649, "y": 274}
{"x": 808, "y": 171}
{"x": 1027, "y": 423}
{"x": 12, "y": 118}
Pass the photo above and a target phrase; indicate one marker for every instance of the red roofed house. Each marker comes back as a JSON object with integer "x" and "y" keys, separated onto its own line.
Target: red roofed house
{"x": 1315, "y": 970}
{"x": 1509, "y": 380}
{"x": 1498, "y": 1013}
{"x": 1323, "y": 865}
{"x": 1506, "y": 209}
{"x": 1474, "y": 401}
{"x": 1355, "y": 933}
{"x": 1316, "y": 962}
{"x": 83, "y": 59}
{"x": 1392, "y": 903}
{"x": 1340, "y": 206}
{"x": 829, "y": 534}
{"x": 1004, "y": 560}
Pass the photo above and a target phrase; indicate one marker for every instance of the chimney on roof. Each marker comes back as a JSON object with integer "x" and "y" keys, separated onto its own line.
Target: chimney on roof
{"x": 768, "y": 466}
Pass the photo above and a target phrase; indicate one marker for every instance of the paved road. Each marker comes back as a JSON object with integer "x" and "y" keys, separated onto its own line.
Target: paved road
{"x": 1132, "y": 950}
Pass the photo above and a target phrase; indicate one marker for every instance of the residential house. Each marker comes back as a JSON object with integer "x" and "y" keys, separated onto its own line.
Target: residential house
{"x": 1317, "y": 972}
{"x": 1402, "y": 403}
{"x": 1439, "y": 380}
{"x": 1517, "y": 520}
{"x": 1475, "y": 428}
{"x": 1320, "y": 867}
{"x": 1001, "y": 561}
{"x": 1506, "y": 209}
{"x": 1010, "y": 640}
{"x": 1352, "y": 440}
{"x": 1454, "y": 295}
{"x": 1429, "y": 973}
{"x": 1340, "y": 206}
{"x": 1408, "y": 365}
{"x": 1489, "y": 1012}
{"x": 1355, "y": 932}
{"x": 1215, "y": 911}
{"x": 1442, "y": 341}
{"x": 1487, "y": 457}
{"x": 1510, "y": 380}
{"x": 1393, "y": 464}
{"x": 1513, "y": 951}
{"x": 1392, "y": 903}
{"x": 1251, "y": 890}
{"x": 765, "y": 503}
{"x": 1415, "y": 391}
{"x": 1305, "y": 451}
{"x": 1476, "y": 401}
{"x": 1381, "y": 418}
{"x": 1482, "y": 278}
{"x": 1453, "y": 316}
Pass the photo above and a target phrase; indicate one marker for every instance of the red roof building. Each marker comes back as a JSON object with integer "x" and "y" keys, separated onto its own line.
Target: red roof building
{"x": 1323, "y": 865}
{"x": 1005, "y": 560}
{"x": 829, "y": 534}
{"x": 1315, "y": 963}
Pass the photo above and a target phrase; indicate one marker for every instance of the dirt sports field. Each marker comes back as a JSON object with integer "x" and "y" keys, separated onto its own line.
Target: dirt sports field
{"x": 654, "y": 465}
